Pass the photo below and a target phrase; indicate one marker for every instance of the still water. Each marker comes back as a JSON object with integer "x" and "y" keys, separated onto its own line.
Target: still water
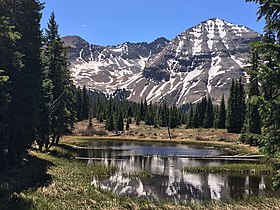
{"x": 168, "y": 181}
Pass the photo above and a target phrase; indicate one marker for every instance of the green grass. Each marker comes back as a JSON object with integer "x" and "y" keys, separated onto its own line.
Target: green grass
{"x": 55, "y": 181}
{"x": 240, "y": 168}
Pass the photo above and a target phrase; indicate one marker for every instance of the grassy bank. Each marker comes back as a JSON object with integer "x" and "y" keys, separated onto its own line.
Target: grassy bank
{"x": 54, "y": 180}
{"x": 240, "y": 168}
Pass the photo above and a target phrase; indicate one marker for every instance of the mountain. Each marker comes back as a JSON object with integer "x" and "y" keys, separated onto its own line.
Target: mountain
{"x": 200, "y": 61}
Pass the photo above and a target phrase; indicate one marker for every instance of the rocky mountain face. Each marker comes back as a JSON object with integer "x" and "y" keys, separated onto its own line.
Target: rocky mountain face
{"x": 200, "y": 61}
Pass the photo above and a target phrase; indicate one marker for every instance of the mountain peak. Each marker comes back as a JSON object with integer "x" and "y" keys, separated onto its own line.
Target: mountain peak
{"x": 200, "y": 61}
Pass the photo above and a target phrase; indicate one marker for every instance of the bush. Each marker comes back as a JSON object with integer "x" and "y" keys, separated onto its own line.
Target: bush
{"x": 252, "y": 139}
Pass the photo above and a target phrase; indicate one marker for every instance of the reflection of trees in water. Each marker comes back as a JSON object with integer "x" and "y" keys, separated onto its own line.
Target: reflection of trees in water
{"x": 169, "y": 182}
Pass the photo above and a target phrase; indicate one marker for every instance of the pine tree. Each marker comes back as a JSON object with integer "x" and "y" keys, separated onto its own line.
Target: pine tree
{"x": 196, "y": 116}
{"x": 173, "y": 117}
{"x": 216, "y": 116}
{"x": 120, "y": 124}
{"x": 9, "y": 61}
{"x": 190, "y": 123}
{"x": 241, "y": 105}
{"x": 209, "y": 115}
{"x": 149, "y": 119}
{"x": 236, "y": 107}
{"x": 44, "y": 120}
{"x": 78, "y": 96}
{"x": 268, "y": 74}
{"x": 63, "y": 106}
{"x": 252, "y": 124}
{"x": 221, "y": 121}
{"x": 85, "y": 103}
{"x": 25, "y": 88}
{"x": 110, "y": 125}
{"x": 201, "y": 111}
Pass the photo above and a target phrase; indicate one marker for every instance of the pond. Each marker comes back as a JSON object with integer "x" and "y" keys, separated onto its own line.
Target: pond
{"x": 165, "y": 163}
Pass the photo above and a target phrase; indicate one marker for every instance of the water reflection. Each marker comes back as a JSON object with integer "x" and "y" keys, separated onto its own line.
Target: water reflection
{"x": 168, "y": 181}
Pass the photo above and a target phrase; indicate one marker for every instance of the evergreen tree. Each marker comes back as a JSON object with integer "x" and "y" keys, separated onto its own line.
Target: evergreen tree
{"x": 209, "y": 115}
{"x": 190, "y": 118}
{"x": 63, "y": 106}
{"x": 252, "y": 124}
{"x": 85, "y": 103}
{"x": 120, "y": 124}
{"x": 149, "y": 120}
{"x": 78, "y": 96}
{"x": 25, "y": 86}
{"x": 236, "y": 107}
{"x": 268, "y": 74}
{"x": 44, "y": 121}
{"x": 173, "y": 117}
{"x": 221, "y": 121}
{"x": 196, "y": 116}
{"x": 110, "y": 125}
{"x": 216, "y": 116}
{"x": 241, "y": 105}
{"x": 202, "y": 111}
{"x": 9, "y": 61}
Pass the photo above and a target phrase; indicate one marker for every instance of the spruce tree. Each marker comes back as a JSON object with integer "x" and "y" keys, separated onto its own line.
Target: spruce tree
{"x": 236, "y": 107}
{"x": 173, "y": 117}
{"x": 221, "y": 121}
{"x": 268, "y": 74}
{"x": 120, "y": 124}
{"x": 9, "y": 61}
{"x": 78, "y": 96}
{"x": 209, "y": 115}
{"x": 44, "y": 120}
{"x": 25, "y": 88}
{"x": 190, "y": 118}
{"x": 63, "y": 105}
{"x": 232, "y": 109}
{"x": 85, "y": 103}
{"x": 110, "y": 125}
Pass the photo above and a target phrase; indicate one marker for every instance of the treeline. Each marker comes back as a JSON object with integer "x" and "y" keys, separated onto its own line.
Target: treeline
{"x": 36, "y": 91}
{"x": 118, "y": 114}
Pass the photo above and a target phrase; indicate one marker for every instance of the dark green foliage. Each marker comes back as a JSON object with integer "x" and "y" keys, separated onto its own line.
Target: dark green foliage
{"x": 85, "y": 104}
{"x": 120, "y": 124}
{"x": 9, "y": 60}
{"x": 78, "y": 96}
{"x": 221, "y": 120}
{"x": 250, "y": 138}
{"x": 164, "y": 115}
{"x": 267, "y": 72}
{"x": 150, "y": 115}
{"x": 110, "y": 125}
{"x": 173, "y": 117}
{"x": 209, "y": 115}
{"x": 63, "y": 105}
{"x": 23, "y": 109}
{"x": 252, "y": 124}
{"x": 236, "y": 107}
{"x": 190, "y": 123}
{"x": 44, "y": 122}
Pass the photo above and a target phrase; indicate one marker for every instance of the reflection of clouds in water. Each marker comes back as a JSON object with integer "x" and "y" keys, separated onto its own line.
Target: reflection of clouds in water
{"x": 168, "y": 180}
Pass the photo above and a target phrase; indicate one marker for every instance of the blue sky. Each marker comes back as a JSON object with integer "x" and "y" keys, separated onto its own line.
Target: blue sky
{"x": 109, "y": 22}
